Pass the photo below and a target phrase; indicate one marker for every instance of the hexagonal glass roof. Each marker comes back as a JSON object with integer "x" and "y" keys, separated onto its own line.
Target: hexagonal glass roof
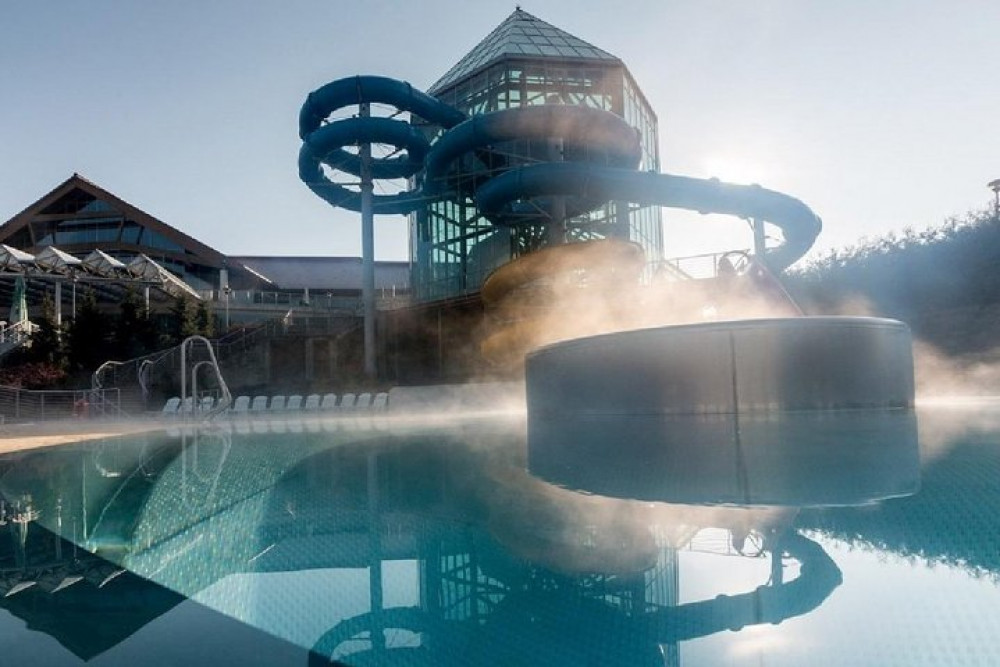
{"x": 522, "y": 34}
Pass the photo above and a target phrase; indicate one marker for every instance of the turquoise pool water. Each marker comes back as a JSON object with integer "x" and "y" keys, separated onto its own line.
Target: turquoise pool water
{"x": 853, "y": 539}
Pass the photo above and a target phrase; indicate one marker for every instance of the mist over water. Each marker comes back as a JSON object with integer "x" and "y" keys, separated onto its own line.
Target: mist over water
{"x": 938, "y": 375}
{"x": 568, "y": 300}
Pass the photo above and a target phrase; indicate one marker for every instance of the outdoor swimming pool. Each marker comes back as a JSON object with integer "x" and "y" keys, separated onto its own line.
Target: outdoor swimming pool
{"x": 856, "y": 538}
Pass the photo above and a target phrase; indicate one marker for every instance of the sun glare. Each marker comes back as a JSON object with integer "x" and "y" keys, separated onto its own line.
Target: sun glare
{"x": 735, "y": 169}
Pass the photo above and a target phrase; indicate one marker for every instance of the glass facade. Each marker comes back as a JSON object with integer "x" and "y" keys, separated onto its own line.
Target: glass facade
{"x": 79, "y": 222}
{"x": 453, "y": 246}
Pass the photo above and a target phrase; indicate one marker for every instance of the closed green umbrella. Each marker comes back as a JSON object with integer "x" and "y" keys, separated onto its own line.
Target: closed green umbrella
{"x": 19, "y": 304}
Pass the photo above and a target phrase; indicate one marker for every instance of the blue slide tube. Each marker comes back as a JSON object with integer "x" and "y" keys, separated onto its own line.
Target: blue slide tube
{"x": 799, "y": 225}
{"x": 599, "y": 151}
{"x": 594, "y": 132}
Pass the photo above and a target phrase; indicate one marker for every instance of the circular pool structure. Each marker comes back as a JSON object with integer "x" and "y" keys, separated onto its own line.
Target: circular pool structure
{"x": 765, "y": 365}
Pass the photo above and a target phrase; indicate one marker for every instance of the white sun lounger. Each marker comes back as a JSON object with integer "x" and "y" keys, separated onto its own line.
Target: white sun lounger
{"x": 329, "y": 402}
{"x": 312, "y": 403}
{"x": 171, "y": 406}
{"x": 364, "y": 401}
{"x": 240, "y": 406}
{"x": 347, "y": 402}
{"x": 381, "y": 401}
{"x": 294, "y": 403}
{"x": 259, "y": 404}
{"x": 277, "y": 403}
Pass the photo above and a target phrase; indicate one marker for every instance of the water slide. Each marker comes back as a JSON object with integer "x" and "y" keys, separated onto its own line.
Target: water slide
{"x": 581, "y": 158}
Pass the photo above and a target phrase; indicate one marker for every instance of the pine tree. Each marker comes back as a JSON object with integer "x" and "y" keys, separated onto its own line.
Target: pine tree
{"x": 183, "y": 319}
{"x": 131, "y": 321}
{"x": 204, "y": 319}
{"x": 47, "y": 341}
{"x": 88, "y": 336}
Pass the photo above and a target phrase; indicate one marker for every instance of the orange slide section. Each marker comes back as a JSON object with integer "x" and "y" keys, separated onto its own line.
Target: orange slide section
{"x": 555, "y": 293}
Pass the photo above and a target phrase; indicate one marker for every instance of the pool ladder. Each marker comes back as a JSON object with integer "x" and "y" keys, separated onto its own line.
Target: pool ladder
{"x": 225, "y": 400}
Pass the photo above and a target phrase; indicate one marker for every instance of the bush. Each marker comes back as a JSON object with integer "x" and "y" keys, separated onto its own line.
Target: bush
{"x": 33, "y": 375}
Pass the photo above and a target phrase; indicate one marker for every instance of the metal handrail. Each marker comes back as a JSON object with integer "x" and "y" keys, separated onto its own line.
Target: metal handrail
{"x": 227, "y": 398}
{"x": 15, "y": 335}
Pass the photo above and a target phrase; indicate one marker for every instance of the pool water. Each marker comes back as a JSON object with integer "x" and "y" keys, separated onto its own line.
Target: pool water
{"x": 858, "y": 538}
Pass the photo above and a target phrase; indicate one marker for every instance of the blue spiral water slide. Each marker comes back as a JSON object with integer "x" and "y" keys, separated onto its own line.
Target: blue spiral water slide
{"x": 593, "y": 161}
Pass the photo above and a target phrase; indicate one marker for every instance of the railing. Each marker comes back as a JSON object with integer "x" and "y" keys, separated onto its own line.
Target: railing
{"x": 212, "y": 362}
{"x": 692, "y": 266}
{"x": 14, "y": 336}
{"x": 141, "y": 373}
{"x": 386, "y": 297}
{"x": 139, "y": 376}
{"x": 18, "y": 404}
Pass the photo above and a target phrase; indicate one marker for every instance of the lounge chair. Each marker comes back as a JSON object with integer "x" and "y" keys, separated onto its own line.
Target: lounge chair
{"x": 364, "y": 401}
{"x": 329, "y": 402}
{"x": 277, "y": 403}
{"x": 206, "y": 404}
{"x": 259, "y": 404}
{"x": 187, "y": 406}
{"x": 312, "y": 403}
{"x": 347, "y": 402}
{"x": 294, "y": 403}
{"x": 240, "y": 406}
{"x": 171, "y": 406}
{"x": 380, "y": 402}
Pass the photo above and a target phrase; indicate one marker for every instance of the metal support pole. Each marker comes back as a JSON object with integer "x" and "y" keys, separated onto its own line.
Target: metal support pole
{"x": 225, "y": 290}
{"x": 557, "y": 220}
{"x": 375, "y": 555}
{"x": 184, "y": 345}
{"x": 758, "y": 238}
{"x": 368, "y": 249}
{"x": 58, "y": 304}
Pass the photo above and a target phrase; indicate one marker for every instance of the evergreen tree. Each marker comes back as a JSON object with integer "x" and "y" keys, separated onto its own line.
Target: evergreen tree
{"x": 130, "y": 325}
{"x": 88, "y": 336}
{"x": 183, "y": 319}
{"x": 204, "y": 319}
{"x": 47, "y": 344}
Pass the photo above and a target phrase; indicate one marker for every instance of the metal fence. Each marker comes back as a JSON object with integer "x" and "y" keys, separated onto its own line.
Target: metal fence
{"x": 385, "y": 298}
{"x": 694, "y": 266}
{"x": 146, "y": 381}
{"x": 19, "y": 405}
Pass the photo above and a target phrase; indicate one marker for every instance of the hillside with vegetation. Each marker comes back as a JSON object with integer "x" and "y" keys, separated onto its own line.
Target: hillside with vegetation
{"x": 944, "y": 282}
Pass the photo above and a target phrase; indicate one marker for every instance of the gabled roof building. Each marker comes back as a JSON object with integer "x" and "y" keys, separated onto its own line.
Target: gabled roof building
{"x": 81, "y": 232}
{"x": 78, "y": 216}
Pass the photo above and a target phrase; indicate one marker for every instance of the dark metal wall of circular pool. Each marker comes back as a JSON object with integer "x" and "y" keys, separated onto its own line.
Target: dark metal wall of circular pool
{"x": 751, "y": 366}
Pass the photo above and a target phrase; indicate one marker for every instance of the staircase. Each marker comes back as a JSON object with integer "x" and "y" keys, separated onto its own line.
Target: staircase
{"x": 14, "y": 337}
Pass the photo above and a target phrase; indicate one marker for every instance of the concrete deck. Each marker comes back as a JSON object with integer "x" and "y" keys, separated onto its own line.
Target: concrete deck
{"x": 22, "y": 437}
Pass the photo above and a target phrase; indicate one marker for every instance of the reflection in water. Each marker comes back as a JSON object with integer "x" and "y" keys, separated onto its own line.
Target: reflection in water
{"x": 510, "y": 568}
{"x": 800, "y": 459}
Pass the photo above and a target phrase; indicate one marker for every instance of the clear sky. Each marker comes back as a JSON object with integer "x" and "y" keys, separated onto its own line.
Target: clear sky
{"x": 878, "y": 115}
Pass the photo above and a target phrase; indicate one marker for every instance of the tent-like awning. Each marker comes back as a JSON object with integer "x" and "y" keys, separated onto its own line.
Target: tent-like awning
{"x": 54, "y": 260}
{"x": 102, "y": 264}
{"x": 98, "y": 268}
{"x": 147, "y": 270}
{"x": 14, "y": 260}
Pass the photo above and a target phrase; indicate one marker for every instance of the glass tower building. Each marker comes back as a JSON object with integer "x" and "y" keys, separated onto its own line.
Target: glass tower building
{"x": 526, "y": 61}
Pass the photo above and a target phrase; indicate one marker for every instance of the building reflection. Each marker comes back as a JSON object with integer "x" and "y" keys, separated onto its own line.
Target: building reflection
{"x": 510, "y": 567}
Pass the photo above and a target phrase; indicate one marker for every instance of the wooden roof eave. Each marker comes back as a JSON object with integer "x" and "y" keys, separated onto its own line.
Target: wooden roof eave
{"x": 209, "y": 255}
